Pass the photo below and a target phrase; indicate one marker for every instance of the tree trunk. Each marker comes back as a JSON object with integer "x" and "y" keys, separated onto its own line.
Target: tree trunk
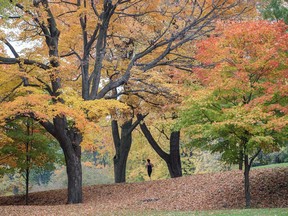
{"x": 247, "y": 181}
{"x": 247, "y": 167}
{"x": 120, "y": 167}
{"x": 240, "y": 163}
{"x": 27, "y": 171}
{"x": 122, "y": 147}
{"x": 174, "y": 163}
{"x": 173, "y": 159}
{"x": 70, "y": 139}
{"x": 74, "y": 174}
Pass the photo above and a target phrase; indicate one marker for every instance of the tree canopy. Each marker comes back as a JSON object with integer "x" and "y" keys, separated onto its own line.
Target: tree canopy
{"x": 239, "y": 106}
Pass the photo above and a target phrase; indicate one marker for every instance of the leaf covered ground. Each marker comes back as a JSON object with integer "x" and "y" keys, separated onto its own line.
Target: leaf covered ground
{"x": 269, "y": 189}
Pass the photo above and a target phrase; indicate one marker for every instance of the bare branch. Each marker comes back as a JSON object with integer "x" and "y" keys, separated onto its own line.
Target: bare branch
{"x": 12, "y": 49}
{"x": 5, "y": 60}
{"x": 16, "y": 87}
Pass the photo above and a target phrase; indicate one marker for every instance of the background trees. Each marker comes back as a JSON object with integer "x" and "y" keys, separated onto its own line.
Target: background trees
{"x": 274, "y": 10}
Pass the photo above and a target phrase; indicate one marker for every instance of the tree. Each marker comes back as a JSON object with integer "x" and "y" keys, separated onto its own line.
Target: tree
{"x": 137, "y": 98}
{"x": 47, "y": 103}
{"x": 138, "y": 86}
{"x": 69, "y": 139}
{"x": 109, "y": 56}
{"x": 27, "y": 150}
{"x": 172, "y": 158}
{"x": 274, "y": 10}
{"x": 239, "y": 107}
{"x": 122, "y": 145}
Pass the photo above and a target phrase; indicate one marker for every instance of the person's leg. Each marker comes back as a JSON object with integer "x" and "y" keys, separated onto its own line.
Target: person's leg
{"x": 149, "y": 174}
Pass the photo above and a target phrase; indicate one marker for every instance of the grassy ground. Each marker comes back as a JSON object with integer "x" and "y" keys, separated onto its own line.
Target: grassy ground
{"x": 234, "y": 212}
{"x": 272, "y": 166}
{"x": 235, "y": 167}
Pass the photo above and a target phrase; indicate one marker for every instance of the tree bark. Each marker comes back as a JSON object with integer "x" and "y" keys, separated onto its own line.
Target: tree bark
{"x": 174, "y": 164}
{"x": 173, "y": 159}
{"x": 28, "y": 159}
{"x": 27, "y": 172}
{"x": 69, "y": 140}
{"x": 74, "y": 174}
{"x": 247, "y": 167}
{"x": 240, "y": 163}
{"x": 247, "y": 181}
{"x": 122, "y": 147}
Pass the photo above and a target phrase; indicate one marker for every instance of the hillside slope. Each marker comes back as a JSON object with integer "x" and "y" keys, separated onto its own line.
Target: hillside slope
{"x": 269, "y": 188}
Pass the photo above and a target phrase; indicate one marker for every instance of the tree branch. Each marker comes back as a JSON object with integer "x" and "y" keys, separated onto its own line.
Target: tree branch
{"x": 151, "y": 140}
{"x": 135, "y": 124}
{"x": 5, "y": 60}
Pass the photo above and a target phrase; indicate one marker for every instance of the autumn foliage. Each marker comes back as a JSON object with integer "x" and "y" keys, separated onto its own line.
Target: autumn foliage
{"x": 244, "y": 75}
{"x": 89, "y": 62}
{"x": 240, "y": 105}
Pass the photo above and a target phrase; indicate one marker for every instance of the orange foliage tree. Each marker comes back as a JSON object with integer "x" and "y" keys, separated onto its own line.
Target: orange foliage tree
{"x": 239, "y": 107}
{"x": 61, "y": 111}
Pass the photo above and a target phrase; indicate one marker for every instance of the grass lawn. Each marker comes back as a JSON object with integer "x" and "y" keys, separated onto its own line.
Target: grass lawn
{"x": 276, "y": 165}
{"x": 248, "y": 212}
{"x": 272, "y": 166}
{"x": 233, "y": 212}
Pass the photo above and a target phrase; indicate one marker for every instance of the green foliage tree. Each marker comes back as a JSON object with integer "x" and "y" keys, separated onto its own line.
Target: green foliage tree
{"x": 239, "y": 107}
{"x": 29, "y": 149}
{"x": 274, "y": 10}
